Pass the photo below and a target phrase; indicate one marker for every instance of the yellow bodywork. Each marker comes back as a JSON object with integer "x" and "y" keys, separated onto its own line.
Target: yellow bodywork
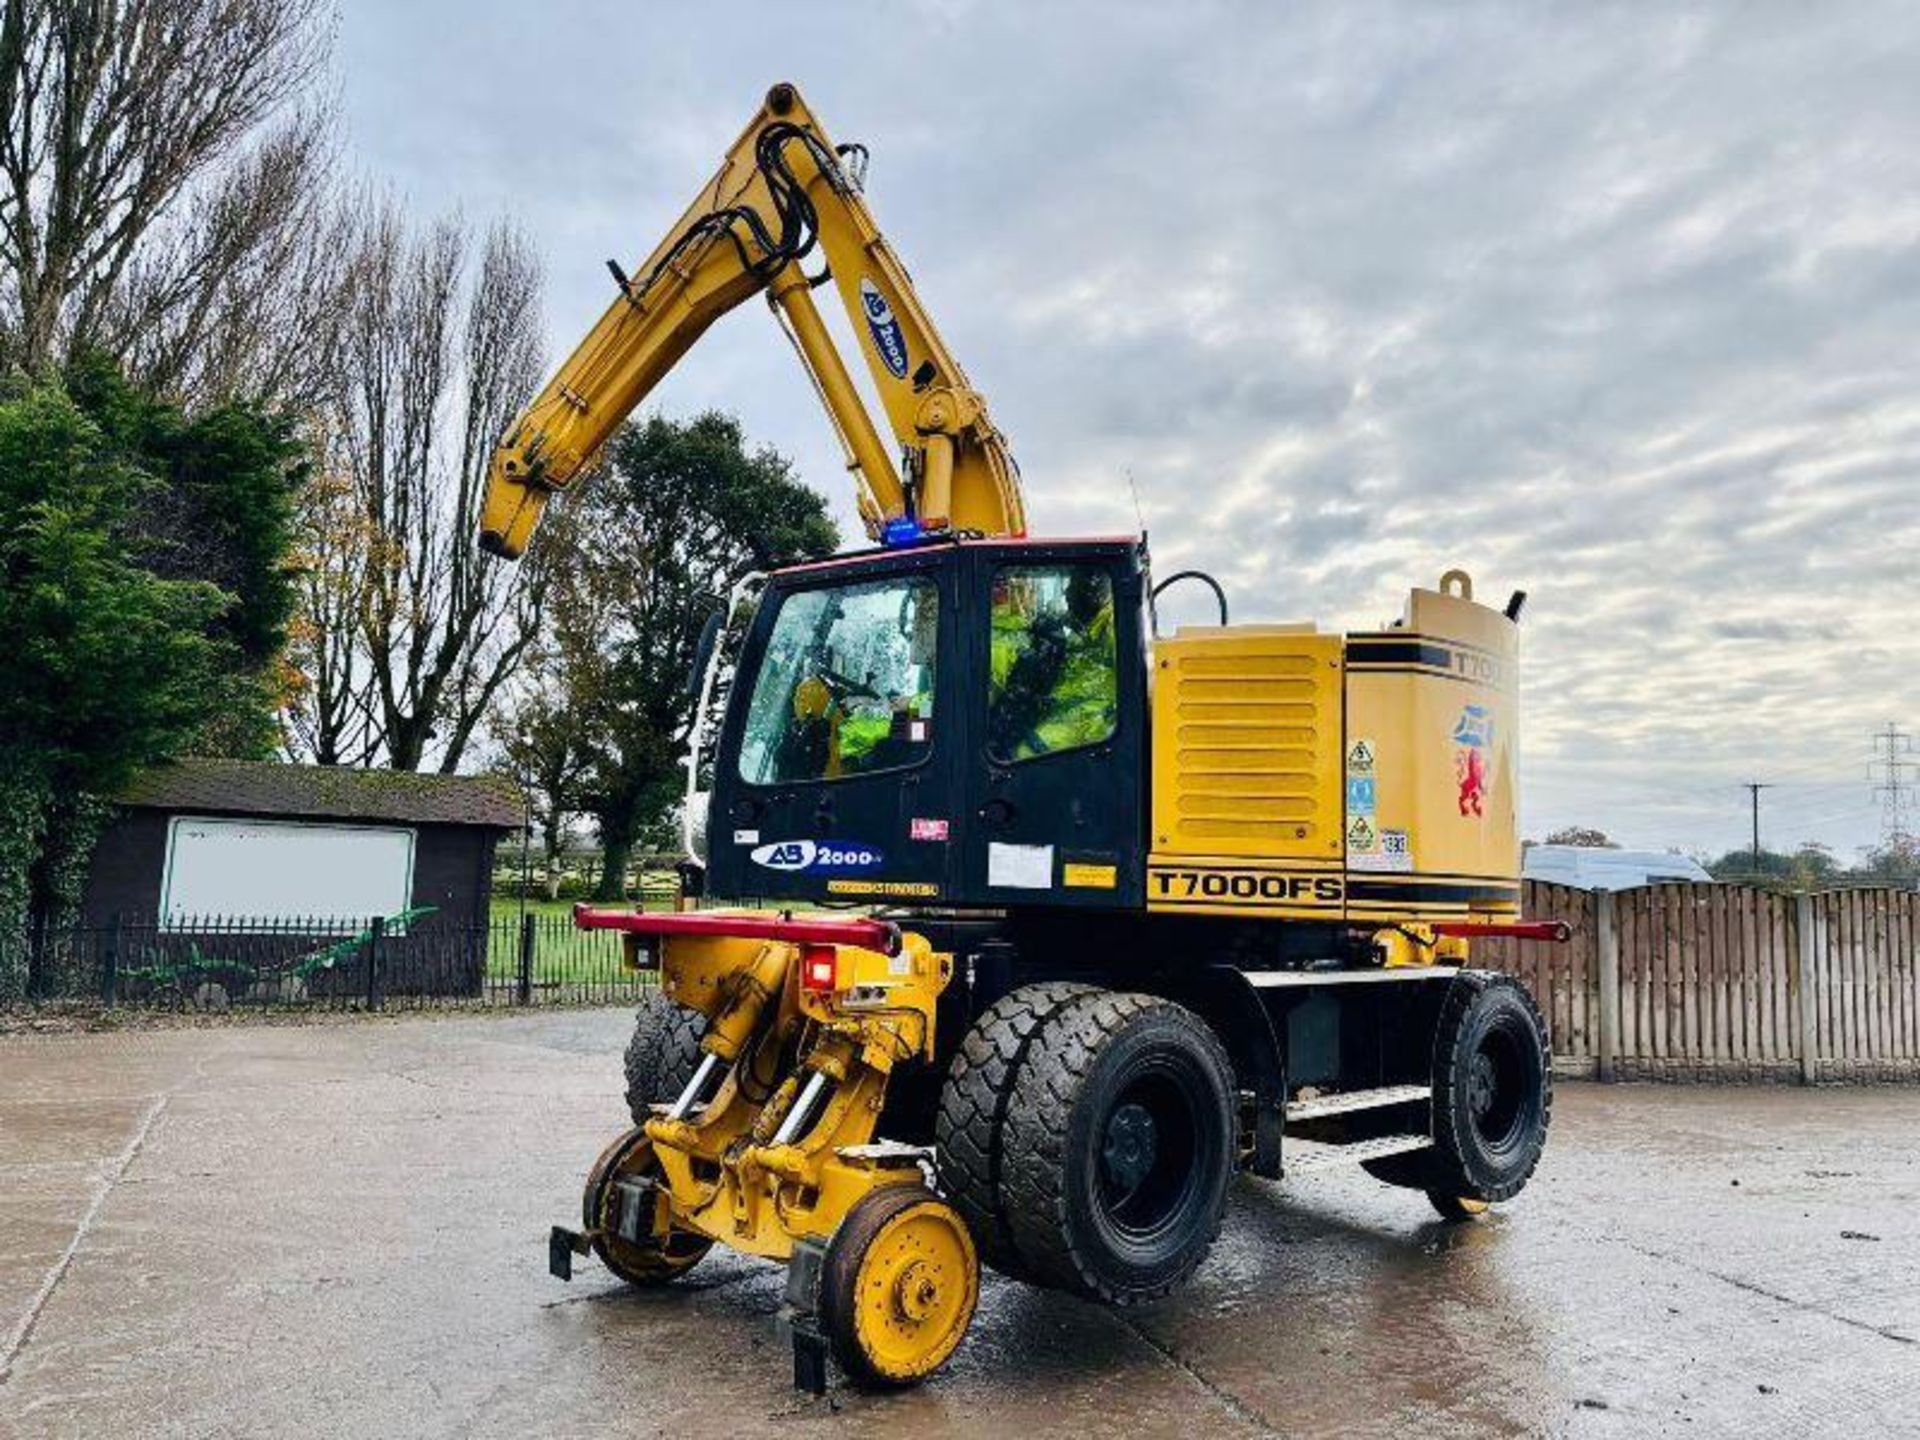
{"x": 1367, "y": 778}
{"x": 781, "y": 190}
{"x": 724, "y": 1176}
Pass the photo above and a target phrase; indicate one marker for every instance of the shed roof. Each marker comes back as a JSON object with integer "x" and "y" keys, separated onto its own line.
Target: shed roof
{"x": 265, "y": 787}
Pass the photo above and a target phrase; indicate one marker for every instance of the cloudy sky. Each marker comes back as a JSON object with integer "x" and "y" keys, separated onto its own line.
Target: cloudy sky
{"x": 1618, "y": 305}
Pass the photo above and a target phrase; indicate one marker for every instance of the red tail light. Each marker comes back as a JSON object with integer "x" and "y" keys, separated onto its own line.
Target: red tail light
{"x": 819, "y": 968}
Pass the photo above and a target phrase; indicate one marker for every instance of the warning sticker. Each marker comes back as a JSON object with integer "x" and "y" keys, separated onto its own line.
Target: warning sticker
{"x": 1360, "y": 756}
{"x": 1360, "y": 795}
{"x": 1360, "y": 833}
{"x": 926, "y": 829}
{"x": 1395, "y": 855}
{"x": 1090, "y": 877}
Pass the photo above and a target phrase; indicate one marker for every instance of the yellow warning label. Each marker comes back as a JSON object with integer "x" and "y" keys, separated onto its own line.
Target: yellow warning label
{"x": 1360, "y": 757}
{"x": 1361, "y": 834}
{"x": 1090, "y": 877}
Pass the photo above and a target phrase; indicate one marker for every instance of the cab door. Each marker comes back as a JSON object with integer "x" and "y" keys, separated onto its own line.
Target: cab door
{"x": 841, "y": 739}
{"x": 1056, "y": 738}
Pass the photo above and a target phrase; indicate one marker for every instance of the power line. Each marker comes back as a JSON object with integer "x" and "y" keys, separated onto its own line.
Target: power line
{"x": 1892, "y": 773}
{"x": 1754, "y": 787}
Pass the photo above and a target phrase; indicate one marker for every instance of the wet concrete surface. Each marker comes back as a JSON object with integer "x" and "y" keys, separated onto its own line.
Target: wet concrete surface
{"x": 339, "y": 1230}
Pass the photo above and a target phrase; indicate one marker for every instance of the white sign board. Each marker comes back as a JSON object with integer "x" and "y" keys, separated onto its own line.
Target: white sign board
{"x": 277, "y": 870}
{"x": 1020, "y": 867}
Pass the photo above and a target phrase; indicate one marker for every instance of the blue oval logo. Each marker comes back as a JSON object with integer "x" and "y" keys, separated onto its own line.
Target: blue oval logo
{"x": 887, "y": 338}
{"x": 828, "y": 856}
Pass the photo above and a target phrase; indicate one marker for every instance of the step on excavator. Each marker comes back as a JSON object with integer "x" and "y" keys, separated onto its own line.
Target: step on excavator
{"x": 1063, "y": 920}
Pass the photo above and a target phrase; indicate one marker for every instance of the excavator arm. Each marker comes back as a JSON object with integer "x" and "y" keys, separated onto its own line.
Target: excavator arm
{"x": 782, "y": 193}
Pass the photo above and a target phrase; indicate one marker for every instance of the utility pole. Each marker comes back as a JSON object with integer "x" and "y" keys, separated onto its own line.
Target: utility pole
{"x": 1754, "y": 787}
{"x": 1892, "y": 772}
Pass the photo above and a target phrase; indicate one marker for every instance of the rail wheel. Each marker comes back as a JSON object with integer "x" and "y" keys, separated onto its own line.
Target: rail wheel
{"x": 1456, "y": 1207}
{"x": 1119, "y": 1147}
{"x": 898, "y": 1286}
{"x": 659, "y": 1257}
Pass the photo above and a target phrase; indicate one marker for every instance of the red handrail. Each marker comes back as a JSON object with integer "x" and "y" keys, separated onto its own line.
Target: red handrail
{"x": 867, "y": 933}
{"x": 1558, "y": 931}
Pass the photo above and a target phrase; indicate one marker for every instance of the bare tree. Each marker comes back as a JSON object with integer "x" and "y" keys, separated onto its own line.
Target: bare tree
{"x": 410, "y": 632}
{"x": 237, "y": 300}
{"x": 146, "y": 198}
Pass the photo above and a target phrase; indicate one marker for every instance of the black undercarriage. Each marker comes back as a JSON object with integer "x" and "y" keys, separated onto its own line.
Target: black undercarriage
{"x": 1319, "y": 1030}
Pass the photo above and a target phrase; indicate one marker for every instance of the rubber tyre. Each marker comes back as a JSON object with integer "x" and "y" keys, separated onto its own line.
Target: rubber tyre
{"x": 662, "y": 1055}
{"x": 853, "y": 1306}
{"x": 655, "y": 1262}
{"x": 1099, "y": 1203}
{"x": 1488, "y": 1134}
{"x": 970, "y": 1128}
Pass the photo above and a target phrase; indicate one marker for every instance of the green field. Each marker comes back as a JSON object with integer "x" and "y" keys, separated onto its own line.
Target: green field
{"x": 507, "y": 910}
{"x": 561, "y": 954}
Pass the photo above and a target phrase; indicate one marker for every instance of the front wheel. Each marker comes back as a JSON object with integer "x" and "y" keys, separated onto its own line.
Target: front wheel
{"x": 970, "y": 1130}
{"x": 662, "y": 1055}
{"x": 1119, "y": 1147}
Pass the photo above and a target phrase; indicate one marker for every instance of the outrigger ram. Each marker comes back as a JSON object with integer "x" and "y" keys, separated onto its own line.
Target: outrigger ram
{"x": 1161, "y": 906}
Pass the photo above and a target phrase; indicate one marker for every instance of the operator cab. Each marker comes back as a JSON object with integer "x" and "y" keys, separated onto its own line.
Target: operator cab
{"x": 958, "y": 723}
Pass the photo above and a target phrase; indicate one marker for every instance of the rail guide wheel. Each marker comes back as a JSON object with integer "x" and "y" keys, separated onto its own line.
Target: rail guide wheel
{"x": 1456, "y": 1207}
{"x": 648, "y": 1258}
{"x": 898, "y": 1286}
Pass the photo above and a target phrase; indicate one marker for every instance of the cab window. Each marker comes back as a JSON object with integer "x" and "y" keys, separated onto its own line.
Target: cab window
{"x": 846, "y": 683}
{"x": 1054, "y": 682}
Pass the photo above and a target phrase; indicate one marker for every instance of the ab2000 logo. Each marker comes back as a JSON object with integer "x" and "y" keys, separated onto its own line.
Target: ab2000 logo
{"x": 826, "y": 857}
{"x": 887, "y": 339}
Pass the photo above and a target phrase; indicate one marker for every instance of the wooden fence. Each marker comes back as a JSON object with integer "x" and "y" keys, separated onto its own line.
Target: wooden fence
{"x": 1725, "y": 982}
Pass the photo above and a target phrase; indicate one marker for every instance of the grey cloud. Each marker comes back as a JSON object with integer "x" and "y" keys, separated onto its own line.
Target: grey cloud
{"x": 1615, "y": 304}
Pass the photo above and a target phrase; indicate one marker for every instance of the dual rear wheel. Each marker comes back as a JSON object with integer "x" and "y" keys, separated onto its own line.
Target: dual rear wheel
{"x": 1088, "y": 1134}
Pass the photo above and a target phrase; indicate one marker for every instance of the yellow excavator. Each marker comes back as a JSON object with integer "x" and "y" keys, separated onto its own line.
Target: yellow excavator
{"x": 1061, "y": 920}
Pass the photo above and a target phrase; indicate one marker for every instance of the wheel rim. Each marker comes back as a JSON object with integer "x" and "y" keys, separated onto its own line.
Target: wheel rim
{"x": 1497, "y": 1090}
{"x": 915, "y": 1291}
{"x": 1149, "y": 1162}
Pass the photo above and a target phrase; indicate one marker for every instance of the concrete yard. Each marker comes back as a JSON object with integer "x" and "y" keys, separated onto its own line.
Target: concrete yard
{"x": 339, "y": 1229}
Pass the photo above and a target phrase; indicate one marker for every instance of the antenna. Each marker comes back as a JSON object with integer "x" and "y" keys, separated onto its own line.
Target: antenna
{"x": 1138, "y": 513}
